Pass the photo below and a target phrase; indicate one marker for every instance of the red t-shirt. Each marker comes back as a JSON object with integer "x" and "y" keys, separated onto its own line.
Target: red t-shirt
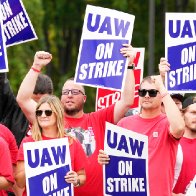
{"x": 7, "y": 135}
{"x": 78, "y": 157}
{"x": 162, "y": 149}
{"x": 6, "y": 170}
{"x": 90, "y": 131}
{"x": 188, "y": 170}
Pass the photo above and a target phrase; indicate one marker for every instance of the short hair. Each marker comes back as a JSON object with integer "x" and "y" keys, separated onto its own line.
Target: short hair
{"x": 146, "y": 79}
{"x": 44, "y": 85}
{"x": 72, "y": 79}
{"x": 57, "y": 108}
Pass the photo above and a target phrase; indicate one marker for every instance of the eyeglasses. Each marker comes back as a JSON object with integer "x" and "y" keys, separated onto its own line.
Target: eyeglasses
{"x": 47, "y": 112}
{"x": 73, "y": 92}
{"x": 151, "y": 92}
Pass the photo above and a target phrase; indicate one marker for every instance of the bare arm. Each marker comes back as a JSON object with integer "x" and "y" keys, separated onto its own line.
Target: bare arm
{"x": 127, "y": 96}
{"x": 20, "y": 174}
{"x": 103, "y": 158}
{"x": 25, "y": 92}
{"x": 75, "y": 177}
{"x": 174, "y": 116}
{"x": 4, "y": 183}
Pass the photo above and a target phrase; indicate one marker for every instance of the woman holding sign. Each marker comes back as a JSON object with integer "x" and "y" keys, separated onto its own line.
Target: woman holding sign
{"x": 49, "y": 124}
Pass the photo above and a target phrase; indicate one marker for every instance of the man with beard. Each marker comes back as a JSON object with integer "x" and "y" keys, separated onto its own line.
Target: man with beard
{"x": 188, "y": 144}
{"x": 73, "y": 99}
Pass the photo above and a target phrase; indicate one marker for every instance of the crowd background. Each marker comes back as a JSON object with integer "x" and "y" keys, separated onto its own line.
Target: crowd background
{"x": 58, "y": 25}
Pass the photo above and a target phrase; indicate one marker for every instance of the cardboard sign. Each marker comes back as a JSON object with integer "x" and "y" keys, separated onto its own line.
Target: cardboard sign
{"x": 3, "y": 52}
{"x": 100, "y": 63}
{"x": 17, "y": 26}
{"x": 192, "y": 189}
{"x": 106, "y": 97}
{"x": 46, "y": 164}
{"x": 180, "y": 48}
{"x": 127, "y": 171}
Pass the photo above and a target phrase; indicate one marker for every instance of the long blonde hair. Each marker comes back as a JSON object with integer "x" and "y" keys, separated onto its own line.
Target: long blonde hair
{"x": 57, "y": 108}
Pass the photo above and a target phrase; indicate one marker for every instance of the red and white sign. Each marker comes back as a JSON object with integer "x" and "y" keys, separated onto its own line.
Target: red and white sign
{"x": 106, "y": 97}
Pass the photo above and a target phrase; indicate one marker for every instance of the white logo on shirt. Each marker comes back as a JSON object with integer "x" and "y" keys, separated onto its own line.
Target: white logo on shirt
{"x": 155, "y": 134}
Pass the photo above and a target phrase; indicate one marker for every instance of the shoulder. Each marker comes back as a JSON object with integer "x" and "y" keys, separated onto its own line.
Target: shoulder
{"x": 128, "y": 118}
{"x": 28, "y": 139}
{"x": 3, "y": 145}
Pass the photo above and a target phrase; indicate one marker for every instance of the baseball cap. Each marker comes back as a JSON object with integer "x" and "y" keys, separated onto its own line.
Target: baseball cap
{"x": 188, "y": 101}
{"x": 178, "y": 96}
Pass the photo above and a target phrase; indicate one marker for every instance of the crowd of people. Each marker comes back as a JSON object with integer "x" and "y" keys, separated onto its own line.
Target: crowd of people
{"x": 35, "y": 114}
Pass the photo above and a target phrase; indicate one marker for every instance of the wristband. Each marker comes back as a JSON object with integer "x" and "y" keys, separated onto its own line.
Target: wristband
{"x": 164, "y": 94}
{"x": 35, "y": 70}
{"x": 132, "y": 66}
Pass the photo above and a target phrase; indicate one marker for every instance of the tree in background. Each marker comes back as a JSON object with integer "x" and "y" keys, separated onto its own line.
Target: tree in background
{"x": 58, "y": 25}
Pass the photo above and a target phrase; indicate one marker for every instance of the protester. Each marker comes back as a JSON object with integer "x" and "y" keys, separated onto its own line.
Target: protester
{"x": 6, "y": 170}
{"x": 73, "y": 99}
{"x": 11, "y": 114}
{"x": 188, "y": 144}
{"x": 163, "y": 131}
{"x": 164, "y": 67}
{"x": 49, "y": 124}
{"x": 6, "y": 134}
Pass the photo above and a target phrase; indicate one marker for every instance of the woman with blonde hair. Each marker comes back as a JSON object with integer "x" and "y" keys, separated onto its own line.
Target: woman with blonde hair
{"x": 49, "y": 124}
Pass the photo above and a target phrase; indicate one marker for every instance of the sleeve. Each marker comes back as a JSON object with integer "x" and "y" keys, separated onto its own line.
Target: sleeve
{"x": 7, "y": 135}
{"x": 5, "y": 169}
{"x": 107, "y": 114}
{"x": 20, "y": 156}
{"x": 10, "y": 113}
{"x": 78, "y": 156}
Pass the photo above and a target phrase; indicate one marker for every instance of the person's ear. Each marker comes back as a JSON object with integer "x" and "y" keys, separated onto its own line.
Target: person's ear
{"x": 84, "y": 99}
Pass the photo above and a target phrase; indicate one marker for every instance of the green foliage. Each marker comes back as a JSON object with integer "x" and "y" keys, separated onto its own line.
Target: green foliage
{"x": 58, "y": 25}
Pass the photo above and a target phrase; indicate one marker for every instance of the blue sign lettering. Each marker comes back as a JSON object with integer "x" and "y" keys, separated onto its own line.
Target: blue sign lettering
{"x": 124, "y": 143}
{"x": 44, "y": 157}
{"x": 120, "y": 27}
{"x": 182, "y": 30}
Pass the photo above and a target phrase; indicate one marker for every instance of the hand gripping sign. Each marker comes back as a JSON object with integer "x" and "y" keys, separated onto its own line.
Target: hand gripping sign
{"x": 126, "y": 174}
{"x": 100, "y": 63}
{"x": 46, "y": 164}
{"x": 106, "y": 97}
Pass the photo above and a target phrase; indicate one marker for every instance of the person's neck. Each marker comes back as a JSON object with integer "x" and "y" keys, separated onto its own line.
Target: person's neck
{"x": 76, "y": 115}
{"x": 189, "y": 134}
{"x": 146, "y": 113}
{"x": 51, "y": 132}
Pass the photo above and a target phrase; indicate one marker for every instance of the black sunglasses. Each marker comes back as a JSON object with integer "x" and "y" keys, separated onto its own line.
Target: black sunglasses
{"x": 73, "y": 92}
{"x": 47, "y": 112}
{"x": 151, "y": 92}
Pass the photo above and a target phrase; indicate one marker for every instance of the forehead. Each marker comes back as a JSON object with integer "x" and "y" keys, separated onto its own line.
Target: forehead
{"x": 44, "y": 106}
{"x": 71, "y": 85}
{"x": 192, "y": 108}
{"x": 147, "y": 85}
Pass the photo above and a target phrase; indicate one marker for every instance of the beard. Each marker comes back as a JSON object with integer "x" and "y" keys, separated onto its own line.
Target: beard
{"x": 73, "y": 111}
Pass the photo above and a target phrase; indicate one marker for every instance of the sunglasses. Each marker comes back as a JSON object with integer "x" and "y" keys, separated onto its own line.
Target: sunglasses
{"x": 151, "y": 92}
{"x": 73, "y": 92}
{"x": 47, "y": 112}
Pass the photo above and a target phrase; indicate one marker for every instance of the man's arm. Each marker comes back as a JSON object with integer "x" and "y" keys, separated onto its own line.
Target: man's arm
{"x": 173, "y": 114}
{"x": 127, "y": 96}
{"x": 164, "y": 67}
{"x": 25, "y": 92}
{"x": 20, "y": 174}
{"x": 10, "y": 113}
